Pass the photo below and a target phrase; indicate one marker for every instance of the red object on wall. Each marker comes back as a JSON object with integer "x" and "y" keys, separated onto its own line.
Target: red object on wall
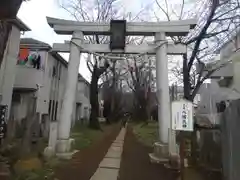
{"x": 23, "y": 53}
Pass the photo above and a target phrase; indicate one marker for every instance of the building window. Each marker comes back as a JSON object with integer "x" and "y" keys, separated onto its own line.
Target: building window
{"x": 56, "y": 111}
{"x": 60, "y": 72}
{"x": 52, "y": 111}
{"x": 54, "y": 72}
{"x": 49, "y": 107}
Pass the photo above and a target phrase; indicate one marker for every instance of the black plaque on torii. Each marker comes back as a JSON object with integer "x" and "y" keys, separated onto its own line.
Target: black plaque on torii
{"x": 118, "y": 34}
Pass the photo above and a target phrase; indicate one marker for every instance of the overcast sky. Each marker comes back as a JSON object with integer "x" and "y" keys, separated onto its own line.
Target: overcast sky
{"x": 33, "y": 13}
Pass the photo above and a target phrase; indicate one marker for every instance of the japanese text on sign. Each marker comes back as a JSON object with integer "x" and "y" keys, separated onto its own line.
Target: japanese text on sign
{"x": 3, "y": 125}
{"x": 182, "y": 115}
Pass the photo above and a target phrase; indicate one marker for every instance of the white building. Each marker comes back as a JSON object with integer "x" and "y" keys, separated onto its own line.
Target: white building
{"x": 47, "y": 82}
{"x": 228, "y": 77}
{"x": 225, "y": 83}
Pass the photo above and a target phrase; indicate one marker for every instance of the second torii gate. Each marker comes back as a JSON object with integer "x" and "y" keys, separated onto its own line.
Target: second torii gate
{"x": 77, "y": 46}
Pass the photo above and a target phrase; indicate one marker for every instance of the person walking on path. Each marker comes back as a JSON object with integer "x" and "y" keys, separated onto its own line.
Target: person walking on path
{"x": 125, "y": 119}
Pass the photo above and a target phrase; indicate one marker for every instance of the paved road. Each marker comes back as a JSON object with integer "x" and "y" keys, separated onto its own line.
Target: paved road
{"x": 109, "y": 167}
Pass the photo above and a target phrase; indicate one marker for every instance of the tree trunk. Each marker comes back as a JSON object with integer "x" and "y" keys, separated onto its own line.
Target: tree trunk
{"x": 140, "y": 106}
{"x": 5, "y": 29}
{"x": 186, "y": 79}
{"x": 188, "y": 96}
{"x": 8, "y": 10}
{"x": 93, "y": 122}
{"x": 107, "y": 110}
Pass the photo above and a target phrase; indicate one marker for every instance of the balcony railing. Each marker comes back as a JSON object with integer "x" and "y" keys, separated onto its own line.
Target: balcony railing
{"x": 28, "y": 77}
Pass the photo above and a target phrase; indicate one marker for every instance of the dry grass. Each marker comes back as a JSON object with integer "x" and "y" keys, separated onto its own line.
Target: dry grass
{"x": 146, "y": 133}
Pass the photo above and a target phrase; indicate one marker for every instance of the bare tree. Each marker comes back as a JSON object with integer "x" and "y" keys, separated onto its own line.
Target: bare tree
{"x": 112, "y": 92}
{"x": 97, "y": 11}
{"x": 140, "y": 80}
{"x": 94, "y": 11}
{"x": 218, "y": 21}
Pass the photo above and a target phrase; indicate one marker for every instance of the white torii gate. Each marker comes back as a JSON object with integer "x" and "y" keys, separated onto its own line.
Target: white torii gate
{"x": 157, "y": 29}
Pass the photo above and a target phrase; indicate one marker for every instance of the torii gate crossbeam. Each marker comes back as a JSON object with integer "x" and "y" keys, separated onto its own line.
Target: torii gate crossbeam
{"x": 170, "y": 28}
{"x": 172, "y": 49}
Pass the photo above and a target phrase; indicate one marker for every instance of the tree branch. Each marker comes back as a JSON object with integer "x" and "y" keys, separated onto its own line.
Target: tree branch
{"x": 166, "y": 14}
{"x": 202, "y": 33}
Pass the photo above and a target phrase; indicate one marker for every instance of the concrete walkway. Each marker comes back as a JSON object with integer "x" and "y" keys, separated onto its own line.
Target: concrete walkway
{"x": 110, "y": 165}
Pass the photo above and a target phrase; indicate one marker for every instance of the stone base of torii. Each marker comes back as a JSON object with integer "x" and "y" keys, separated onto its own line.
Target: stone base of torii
{"x": 159, "y": 30}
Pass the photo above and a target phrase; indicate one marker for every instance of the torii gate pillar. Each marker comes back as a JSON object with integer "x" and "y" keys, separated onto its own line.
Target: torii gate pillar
{"x": 64, "y": 142}
{"x": 162, "y": 88}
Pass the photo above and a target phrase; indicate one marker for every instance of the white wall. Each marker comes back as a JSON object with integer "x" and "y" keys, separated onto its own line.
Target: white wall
{"x": 213, "y": 93}
{"x": 54, "y": 88}
{"x": 230, "y": 47}
{"x": 236, "y": 71}
{"x": 8, "y": 67}
{"x": 231, "y": 51}
{"x": 210, "y": 94}
{"x": 20, "y": 108}
{"x": 83, "y": 98}
{"x": 42, "y": 94}
{"x": 56, "y": 85}
{"x": 27, "y": 77}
